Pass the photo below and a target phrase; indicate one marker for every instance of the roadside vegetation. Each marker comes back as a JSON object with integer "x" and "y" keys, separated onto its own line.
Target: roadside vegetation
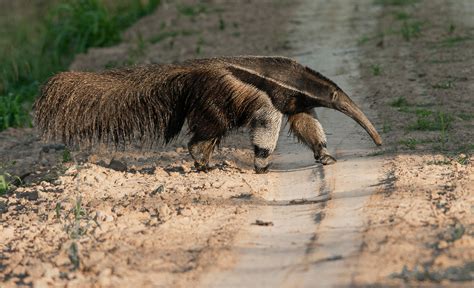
{"x": 424, "y": 120}
{"x": 423, "y": 95}
{"x": 42, "y": 41}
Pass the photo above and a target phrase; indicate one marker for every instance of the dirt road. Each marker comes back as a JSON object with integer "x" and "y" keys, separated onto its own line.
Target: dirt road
{"x": 394, "y": 216}
{"x": 315, "y": 212}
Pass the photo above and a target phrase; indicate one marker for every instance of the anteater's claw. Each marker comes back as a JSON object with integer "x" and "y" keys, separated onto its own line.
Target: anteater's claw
{"x": 261, "y": 170}
{"x": 327, "y": 159}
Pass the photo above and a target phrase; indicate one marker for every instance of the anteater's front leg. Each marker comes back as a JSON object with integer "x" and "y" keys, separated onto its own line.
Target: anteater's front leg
{"x": 264, "y": 135}
{"x": 201, "y": 151}
{"x": 309, "y": 131}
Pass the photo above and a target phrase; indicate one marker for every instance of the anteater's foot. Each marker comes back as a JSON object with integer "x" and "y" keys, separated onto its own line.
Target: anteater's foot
{"x": 203, "y": 167}
{"x": 261, "y": 170}
{"x": 326, "y": 159}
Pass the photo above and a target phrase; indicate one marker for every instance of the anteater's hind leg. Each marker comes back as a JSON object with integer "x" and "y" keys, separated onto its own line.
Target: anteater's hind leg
{"x": 201, "y": 151}
{"x": 309, "y": 131}
{"x": 265, "y": 125}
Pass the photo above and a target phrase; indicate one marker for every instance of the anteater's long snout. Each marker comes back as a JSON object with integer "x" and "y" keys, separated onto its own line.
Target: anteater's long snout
{"x": 348, "y": 107}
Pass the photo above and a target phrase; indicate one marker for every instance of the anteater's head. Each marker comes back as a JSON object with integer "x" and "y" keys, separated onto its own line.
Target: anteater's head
{"x": 295, "y": 88}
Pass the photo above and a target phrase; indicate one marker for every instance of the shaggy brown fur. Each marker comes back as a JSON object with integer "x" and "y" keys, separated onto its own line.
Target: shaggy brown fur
{"x": 144, "y": 103}
{"x": 152, "y": 102}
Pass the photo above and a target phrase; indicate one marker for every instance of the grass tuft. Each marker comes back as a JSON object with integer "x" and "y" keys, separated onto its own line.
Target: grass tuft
{"x": 399, "y": 102}
{"x": 66, "y": 157}
{"x": 4, "y": 185}
{"x": 410, "y": 30}
{"x": 444, "y": 84}
{"x": 410, "y": 143}
{"x": 431, "y": 121}
{"x": 376, "y": 69}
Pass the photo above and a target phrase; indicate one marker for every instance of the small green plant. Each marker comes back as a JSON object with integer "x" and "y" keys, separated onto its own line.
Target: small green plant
{"x": 376, "y": 69}
{"x": 445, "y": 161}
{"x": 73, "y": 255}
{"x": 466, "y": 116}
{"x": 451, "y": 28}
{"x": 199, "y": 45}
{"x": 77, "y": 223}
{"x": 432, "y": 121}
{"x": 4, "y": 185}
{"x": 363, "y": 39}
{"x": 387, "y": 127}
{"x": 447, "y": 84}
{"x": 402, "y": 104}
{"x": 198, "y": 49}
{"x": 410, "y": 30}
{"x": 463, "y": 159}
{"x": 399, "y": 102}
{"x": 454, "y": 40}
{"x": 57, "y": 209}
{"x": 410, "y": 143}
{"x": 66, "y": 156}
{"x": 401, "y": 15}
{"x": 221, "y": 24}
{"x": 444, "y": 122}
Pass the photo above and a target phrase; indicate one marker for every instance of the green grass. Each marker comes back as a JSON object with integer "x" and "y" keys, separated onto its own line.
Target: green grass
{"x": 446, "y": 84}
{"x": 199, "y": 44}
{"x": 4, "y": 185}
{"x": 463, "y": 159}
{"x": 221, "y": 24}
{"x": 454, "y": 40}
{"x": 363, "y": 39}
{"x": 66, "y": 156}
{"x": 32, "y": 50}
{"x": 401, "y": 15}
{"x": 402, "y": 104}
{"x": 466, "y": 116}
{"x": 376, "y": 69}
{"x": 399, "y": 102}
{"x": 426, "y": 120}
{"x": 410, "y": 143}
{"x": 431, "y": 121}
{"x": 387, "y": 127}
{"x": 410, "y": 30}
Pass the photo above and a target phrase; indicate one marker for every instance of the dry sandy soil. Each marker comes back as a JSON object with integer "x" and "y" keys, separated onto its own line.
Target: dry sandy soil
{"x": 148, "y": 218}
{"x": 419, "y": 67}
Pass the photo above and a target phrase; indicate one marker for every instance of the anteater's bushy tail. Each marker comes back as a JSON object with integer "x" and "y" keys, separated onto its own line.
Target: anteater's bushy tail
{"x": 115, "y": 106}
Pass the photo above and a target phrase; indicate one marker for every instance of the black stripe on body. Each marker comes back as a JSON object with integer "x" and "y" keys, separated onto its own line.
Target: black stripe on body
{"x": 285, "y": 99}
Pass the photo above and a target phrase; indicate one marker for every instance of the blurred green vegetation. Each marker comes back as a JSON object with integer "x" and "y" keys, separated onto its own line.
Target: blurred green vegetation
{"x": 39, "y": 39}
